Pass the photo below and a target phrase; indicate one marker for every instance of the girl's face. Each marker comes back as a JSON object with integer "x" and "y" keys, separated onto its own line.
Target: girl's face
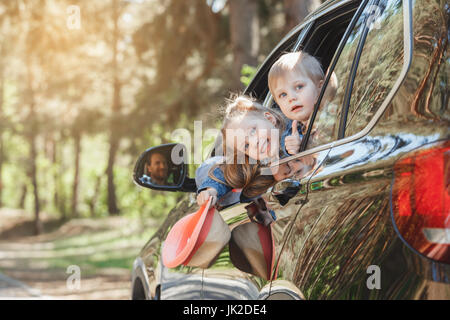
{"x": 254, "y": 135}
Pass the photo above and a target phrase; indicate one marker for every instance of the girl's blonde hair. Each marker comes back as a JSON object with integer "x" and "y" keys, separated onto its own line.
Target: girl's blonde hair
{"x": 245, "y": 175}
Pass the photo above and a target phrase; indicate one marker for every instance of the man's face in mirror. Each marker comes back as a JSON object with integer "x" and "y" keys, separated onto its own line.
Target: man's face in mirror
{"x": 157, "y": 168}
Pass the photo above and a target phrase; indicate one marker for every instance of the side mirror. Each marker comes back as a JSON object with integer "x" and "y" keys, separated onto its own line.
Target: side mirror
{"x": 164, "y": 168}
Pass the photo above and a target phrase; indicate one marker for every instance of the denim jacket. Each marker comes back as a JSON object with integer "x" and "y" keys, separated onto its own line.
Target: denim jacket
{"x": 203, "y": 180}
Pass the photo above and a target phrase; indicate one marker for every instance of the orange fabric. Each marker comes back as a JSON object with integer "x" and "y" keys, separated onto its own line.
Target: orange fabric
{"x": 203, "y": 234}
{"x": 182, "y": 238}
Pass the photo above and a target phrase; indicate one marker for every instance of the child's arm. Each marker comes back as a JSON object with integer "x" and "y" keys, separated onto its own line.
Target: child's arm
{"x": 293, "y": 141}
{"x": 210, "y": 187}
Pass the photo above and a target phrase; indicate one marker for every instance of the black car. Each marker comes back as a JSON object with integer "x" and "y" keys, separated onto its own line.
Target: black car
{"x": 371, "y": 218}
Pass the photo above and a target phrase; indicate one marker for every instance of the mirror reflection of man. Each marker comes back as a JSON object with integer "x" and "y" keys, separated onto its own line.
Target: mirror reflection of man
{"x": 157, "y": 169}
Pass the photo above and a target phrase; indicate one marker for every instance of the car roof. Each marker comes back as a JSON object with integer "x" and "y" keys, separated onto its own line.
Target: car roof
{"x": 321, "y": 10}
{"x": 324, "y": 6}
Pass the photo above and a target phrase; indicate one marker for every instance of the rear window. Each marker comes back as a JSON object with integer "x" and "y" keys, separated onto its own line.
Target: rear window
{"x": 378, "y": 67}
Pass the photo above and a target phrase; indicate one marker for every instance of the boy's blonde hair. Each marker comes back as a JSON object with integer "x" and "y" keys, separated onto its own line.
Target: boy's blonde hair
{"x": 299, "y": 61}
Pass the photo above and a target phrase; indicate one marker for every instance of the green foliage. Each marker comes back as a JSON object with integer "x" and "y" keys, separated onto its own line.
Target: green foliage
{"x": 92, "y": 250}
{"x": 247, "y": 74}
{"x": 173, "y": 67}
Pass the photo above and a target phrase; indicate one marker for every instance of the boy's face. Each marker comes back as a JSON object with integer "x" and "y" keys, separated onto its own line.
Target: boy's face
{"x": 296, "y": 95}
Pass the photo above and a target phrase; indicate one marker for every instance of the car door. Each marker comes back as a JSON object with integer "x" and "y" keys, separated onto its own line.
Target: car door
{"x": 212, "y": 285}
{"x": 222, "y": 279}
{"x": 333, "y": 234}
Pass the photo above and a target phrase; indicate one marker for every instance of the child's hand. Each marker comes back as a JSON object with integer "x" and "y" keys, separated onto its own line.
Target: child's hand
{"x": 203, "y": 196}
{"x": 293, "y": 141}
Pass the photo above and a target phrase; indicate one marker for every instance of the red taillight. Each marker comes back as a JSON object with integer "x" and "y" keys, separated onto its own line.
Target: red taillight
{"x": 421, "y": 201}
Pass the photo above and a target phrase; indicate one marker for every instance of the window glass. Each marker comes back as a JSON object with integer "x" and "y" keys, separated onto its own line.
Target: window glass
{"x": 379, "y": 66}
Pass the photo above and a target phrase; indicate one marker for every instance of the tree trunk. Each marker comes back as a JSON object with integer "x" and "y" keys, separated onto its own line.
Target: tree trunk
{"x": 112, "y": 201}
{"x": 33, "y": 172}
{"x": 244, "y": 32}
{"x": 76, "y": 177}
{"x": 62, "y": 203}
{"x": 114, "y": 138}
{"x": 93, "y": 201}
{"x": 1, "y": 134}
{"x": 32, "y": 133}
{"x": 1, "y": 169}
{"x": 297, "y": 10}
{"x": 23, "y": 196}
{"x": 59, "y": 198}
{"x": 54, "y": 159}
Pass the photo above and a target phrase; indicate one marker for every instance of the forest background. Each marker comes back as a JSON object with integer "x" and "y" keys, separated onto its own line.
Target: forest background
{"x": 86, "y": 86}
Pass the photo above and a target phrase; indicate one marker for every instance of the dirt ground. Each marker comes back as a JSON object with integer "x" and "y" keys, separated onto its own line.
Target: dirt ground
{"x": 22, "y": 258}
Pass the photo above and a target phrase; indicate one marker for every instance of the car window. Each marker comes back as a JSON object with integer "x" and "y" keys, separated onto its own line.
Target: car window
{"x": 321, "y": 38}
{"x": 379, "y": 66}
{"x": 258, "y": 86}
{"x": 380, "y": 62}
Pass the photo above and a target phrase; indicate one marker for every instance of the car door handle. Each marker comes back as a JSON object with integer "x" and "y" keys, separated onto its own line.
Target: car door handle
{"x": 285, "y": 190}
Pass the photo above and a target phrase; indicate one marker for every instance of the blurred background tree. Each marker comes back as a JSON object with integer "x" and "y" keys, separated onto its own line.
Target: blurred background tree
{"x": 86, "y": 86}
